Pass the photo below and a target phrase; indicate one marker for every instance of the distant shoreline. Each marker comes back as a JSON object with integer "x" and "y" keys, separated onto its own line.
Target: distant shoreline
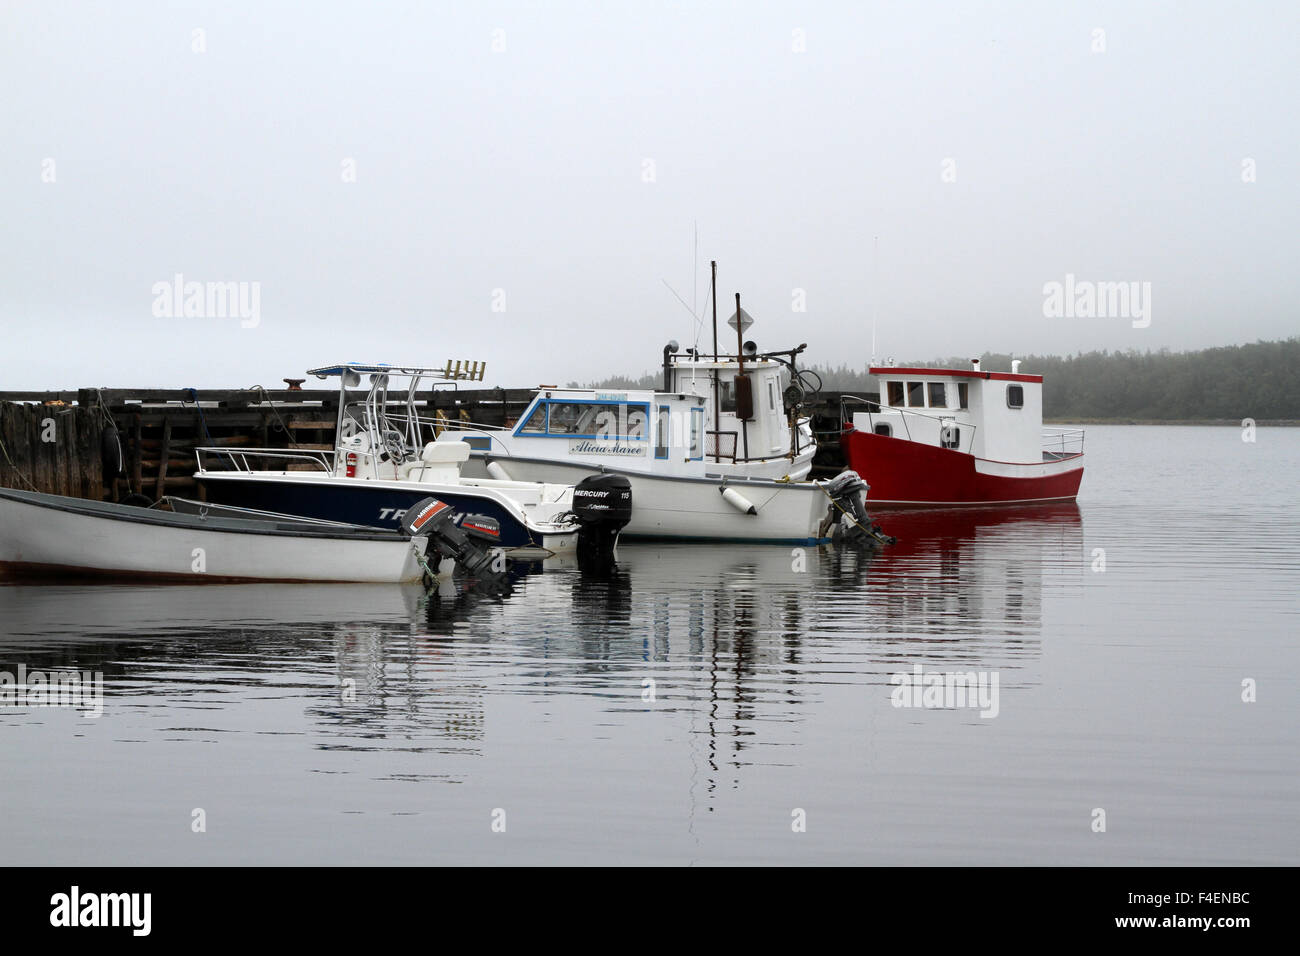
{"x": 1235, "y": 423}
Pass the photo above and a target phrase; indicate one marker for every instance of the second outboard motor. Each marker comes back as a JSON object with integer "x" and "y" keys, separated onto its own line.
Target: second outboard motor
{"x": 474, "y": 543}
{"x": 602, "y": 506}
{"x": 846, "y": 517}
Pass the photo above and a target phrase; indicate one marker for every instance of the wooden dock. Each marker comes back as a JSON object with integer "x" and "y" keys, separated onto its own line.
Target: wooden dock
{"x": 68, "y": 443}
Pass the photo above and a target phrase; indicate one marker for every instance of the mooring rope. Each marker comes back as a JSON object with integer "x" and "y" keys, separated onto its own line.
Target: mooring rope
{"x": 284, "y": 426}
{"x": 16, "y": 469}
{"x": 194, "y": 397}
{"x": 421, "y": 558}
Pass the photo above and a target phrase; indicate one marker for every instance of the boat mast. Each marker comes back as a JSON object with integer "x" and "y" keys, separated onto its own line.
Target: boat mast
{"x": 717, "y": 420}
{"x": 740, "y": 357}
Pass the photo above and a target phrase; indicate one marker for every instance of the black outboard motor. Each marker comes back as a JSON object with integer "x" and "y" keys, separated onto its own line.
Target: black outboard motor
{"x": 846, "y": 517}
{"x": 602, "y": 506}
{"x": 473, "y": 542}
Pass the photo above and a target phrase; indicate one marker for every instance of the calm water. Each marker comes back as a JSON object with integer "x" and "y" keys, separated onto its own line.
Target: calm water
{"x": 345, "y": 725}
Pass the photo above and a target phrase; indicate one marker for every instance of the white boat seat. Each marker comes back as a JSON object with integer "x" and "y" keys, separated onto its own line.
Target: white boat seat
{"x": 445, "y": 452}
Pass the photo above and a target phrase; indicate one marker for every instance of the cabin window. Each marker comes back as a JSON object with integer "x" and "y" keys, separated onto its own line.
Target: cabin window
{"x": 536, "y": 423}
{"x": 771, "y": 395}
{"x": 896, "y": 394}
{"x": 726, "y": 397}
{"x": 949, "y": 436}
{"x": 1015, "y": 396}
{"x": 963, "y": 395}
{"x": 573, "y": 418}
{"x": 661, "y": 443}
{"x": 607, "y": 420}
{"x": 633, "y": 421}
{"x": 697, "y": 434}
{"x": 916, "y": 394}
{"x": 884, "y": 428}
{"x": 938, "y": 398}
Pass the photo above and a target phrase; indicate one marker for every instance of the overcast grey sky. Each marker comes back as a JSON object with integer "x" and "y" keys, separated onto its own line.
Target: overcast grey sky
{"x": 562, "y": 153}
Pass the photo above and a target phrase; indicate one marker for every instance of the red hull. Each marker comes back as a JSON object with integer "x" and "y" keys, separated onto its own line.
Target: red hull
{"x": 906, "y": 472}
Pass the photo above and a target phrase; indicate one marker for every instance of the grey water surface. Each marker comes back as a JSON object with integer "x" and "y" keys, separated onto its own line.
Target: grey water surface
{"x": 711, "y": 704}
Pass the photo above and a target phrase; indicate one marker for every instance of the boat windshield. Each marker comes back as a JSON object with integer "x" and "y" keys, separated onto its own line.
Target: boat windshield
{"x": 588, "y": 419}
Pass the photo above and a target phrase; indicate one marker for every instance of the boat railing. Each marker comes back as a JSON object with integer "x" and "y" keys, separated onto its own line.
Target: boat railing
{"x": 1062, "y": 442}
{"x": 383, "y": 419}
{"x": 438, "y": 425}
{"x": 237, "y": 459}
{"x": 713, "y": 445}
{"x": 906, "y": 415}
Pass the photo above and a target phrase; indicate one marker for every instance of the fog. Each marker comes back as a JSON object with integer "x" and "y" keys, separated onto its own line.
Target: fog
{"x": 534, "y": 185}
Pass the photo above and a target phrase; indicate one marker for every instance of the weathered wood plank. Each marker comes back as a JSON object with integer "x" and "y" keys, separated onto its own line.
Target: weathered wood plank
{"x": 137, "y": 474}
{"x": 163, "y": 458}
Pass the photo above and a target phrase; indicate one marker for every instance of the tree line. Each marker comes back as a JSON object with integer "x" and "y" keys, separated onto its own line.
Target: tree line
{"x": 1260, "y": 381}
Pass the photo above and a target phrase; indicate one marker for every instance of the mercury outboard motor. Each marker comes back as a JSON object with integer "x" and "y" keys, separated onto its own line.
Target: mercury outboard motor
{"x": 602, "y": 506}
{"x": 474, "y": 542}
{"x": 846, "y": 517}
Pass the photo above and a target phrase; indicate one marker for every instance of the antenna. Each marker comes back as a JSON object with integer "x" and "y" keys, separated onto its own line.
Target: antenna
{"x": 695, "y": 276}
{"x": 875, "y": 292}
{"x": 697, "y": 319}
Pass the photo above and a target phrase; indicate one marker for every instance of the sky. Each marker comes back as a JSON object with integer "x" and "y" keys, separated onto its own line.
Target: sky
{"x": 540, "y": 186}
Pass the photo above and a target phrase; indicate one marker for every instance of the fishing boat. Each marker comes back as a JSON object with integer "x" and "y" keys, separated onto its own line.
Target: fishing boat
{"x": 718, "y": 453}
{"x": 959, "y": 437}
{"x": 53, "y": 535}
{"x": 384, "y": 461}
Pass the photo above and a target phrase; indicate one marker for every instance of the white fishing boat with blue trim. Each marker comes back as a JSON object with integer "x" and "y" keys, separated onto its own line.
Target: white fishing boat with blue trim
{"x": 718, "y": 453}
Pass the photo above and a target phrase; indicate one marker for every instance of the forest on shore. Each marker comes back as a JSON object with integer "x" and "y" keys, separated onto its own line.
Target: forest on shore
{"x": 1260, "y": 381}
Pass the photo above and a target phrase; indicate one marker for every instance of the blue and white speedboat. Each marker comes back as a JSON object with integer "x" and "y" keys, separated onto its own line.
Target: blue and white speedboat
{"x": 383, "y": 462}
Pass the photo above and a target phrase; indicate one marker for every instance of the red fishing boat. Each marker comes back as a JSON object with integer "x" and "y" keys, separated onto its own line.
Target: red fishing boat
{"x": 940, "y": 436}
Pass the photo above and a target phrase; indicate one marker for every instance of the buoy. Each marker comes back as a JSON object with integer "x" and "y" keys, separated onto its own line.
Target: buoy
{"x": 496, "y": 470}
{"x": 110, "y": 452}
{"x": 738, "y": 501}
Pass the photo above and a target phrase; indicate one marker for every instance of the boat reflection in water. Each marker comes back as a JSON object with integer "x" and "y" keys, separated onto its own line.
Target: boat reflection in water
{"x": 746, "y": 648}
{"x": 972, "y": 569}
{"x": 749, "y": 638}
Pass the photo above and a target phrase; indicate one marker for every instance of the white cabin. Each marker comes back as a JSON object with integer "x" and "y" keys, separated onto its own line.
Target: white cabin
{"x": 674, "y": 432}
{"x": 995, "y": 416}
{"x": 767, "y": 432}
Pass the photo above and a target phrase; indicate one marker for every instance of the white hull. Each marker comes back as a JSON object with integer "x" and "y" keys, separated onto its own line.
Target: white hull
{"x": 770, "y": 469}
{"x": 694, "y": 508}
{"x": 53, "y": 539}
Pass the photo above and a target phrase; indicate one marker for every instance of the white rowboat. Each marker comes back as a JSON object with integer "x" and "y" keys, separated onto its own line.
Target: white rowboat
{"x": 51, "y": 535}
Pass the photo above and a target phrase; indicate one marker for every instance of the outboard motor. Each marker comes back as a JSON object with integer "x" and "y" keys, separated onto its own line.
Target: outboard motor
{"x": 474, "y": 542}
{"x": 602, "y": 506}
{"x": 846, "y": 517}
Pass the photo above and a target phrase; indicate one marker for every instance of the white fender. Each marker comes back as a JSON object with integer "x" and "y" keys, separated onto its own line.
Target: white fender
{"x": 496, "y": 470}
{"x": 738, "y": 501}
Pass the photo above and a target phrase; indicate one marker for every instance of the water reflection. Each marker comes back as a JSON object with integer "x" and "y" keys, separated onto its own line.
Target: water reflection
{"x": 969, "y": 570}
{"x": 744, "y": 640}
{"x": 379, "y": 723}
